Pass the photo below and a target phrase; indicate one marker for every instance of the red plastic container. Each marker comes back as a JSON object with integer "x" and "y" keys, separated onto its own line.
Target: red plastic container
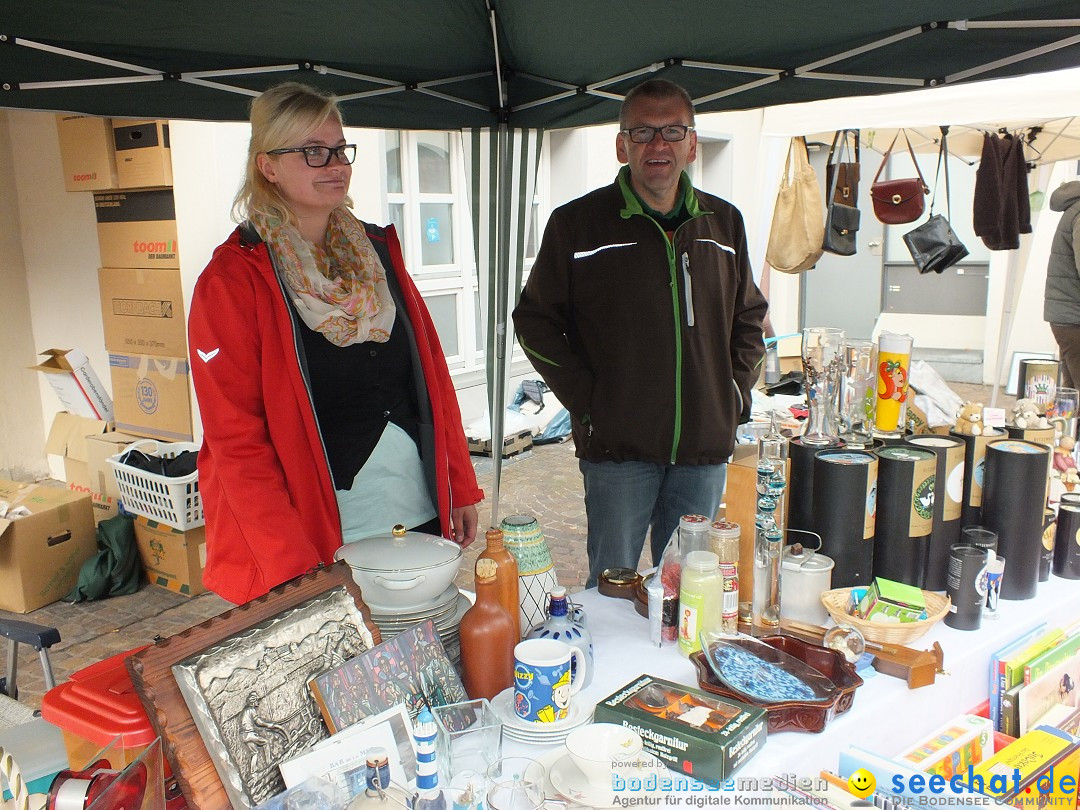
{"x": 1000, "y": 740}
{"x": 97, "y": 706}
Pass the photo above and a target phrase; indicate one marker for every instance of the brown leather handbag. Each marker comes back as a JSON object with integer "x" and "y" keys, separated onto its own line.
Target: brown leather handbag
{"x": 899, "y": 201}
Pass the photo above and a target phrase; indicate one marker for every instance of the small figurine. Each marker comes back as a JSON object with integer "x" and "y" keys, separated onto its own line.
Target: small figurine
{"x": 1070, "y": 479}
{"x": 1026, "y": 415}
{"x": 1063, "y": 454}
{"x": 969, "y": 420}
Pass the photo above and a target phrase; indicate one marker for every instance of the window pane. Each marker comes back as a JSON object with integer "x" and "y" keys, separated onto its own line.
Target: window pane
{"x": 433, "y": 155}
{"x": 443, "y": 309}
{"x": 437, "y": 239}
{"x": 397, "y": 218}
{"x": 393, "y": 162}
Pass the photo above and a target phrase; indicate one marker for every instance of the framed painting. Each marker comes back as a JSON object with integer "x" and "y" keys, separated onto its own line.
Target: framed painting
{"x": 229, "y": 696}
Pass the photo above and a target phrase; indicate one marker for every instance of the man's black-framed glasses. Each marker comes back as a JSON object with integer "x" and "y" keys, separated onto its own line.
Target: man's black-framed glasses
{"x": 318, "y": 156}
{"x": 669, "y": 132}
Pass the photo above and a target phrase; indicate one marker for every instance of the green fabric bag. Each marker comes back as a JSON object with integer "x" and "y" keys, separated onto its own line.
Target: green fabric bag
{"x": 115, "y": 570}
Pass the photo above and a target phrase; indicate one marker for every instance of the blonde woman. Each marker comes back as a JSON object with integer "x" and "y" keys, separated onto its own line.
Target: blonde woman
{"x": 328, "y": 412}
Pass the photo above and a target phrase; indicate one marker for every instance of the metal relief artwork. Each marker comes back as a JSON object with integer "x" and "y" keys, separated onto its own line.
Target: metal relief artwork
{"x": 248, "y": 693}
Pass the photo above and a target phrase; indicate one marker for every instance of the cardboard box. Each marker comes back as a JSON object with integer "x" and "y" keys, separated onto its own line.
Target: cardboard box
{"x": 102, "y": 486}
{"x": 67, "y": 438}
{"x": 76, "y": 384}
{"x": 698, "y": 734}
{"x": 143, "y": 155}
{"x": 137, "y": 228}
{"x": 152, "y": 396}
{"x": 886, "y": 600}
{"x": 41, "y": 552}
{"x": 142, "y": 310}
{"x": 964, "y": 741}
{"x": 86, "y": 152}
{"x": 173, "y": 559}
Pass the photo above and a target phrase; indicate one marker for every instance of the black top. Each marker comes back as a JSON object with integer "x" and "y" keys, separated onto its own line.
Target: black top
{"x": 356, "y": 390}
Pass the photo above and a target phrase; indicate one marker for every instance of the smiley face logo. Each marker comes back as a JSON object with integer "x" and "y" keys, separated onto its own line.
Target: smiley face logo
{"x": 862, "y": 783}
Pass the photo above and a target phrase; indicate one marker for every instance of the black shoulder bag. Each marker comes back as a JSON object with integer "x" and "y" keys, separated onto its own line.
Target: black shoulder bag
{"x": 841, "y": 220}
{"x": 934, "y": 245}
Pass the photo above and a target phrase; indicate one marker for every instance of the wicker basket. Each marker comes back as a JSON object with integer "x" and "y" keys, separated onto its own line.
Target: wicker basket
{"x": 836, "y": 602}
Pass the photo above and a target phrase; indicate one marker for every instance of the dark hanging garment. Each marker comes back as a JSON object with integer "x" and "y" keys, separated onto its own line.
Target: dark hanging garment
{"x": 986, "y": 210}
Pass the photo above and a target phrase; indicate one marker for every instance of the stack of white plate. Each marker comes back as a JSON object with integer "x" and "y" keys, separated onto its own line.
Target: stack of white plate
{"x": 445, "y": 611}
{"x": 540, "y": 733}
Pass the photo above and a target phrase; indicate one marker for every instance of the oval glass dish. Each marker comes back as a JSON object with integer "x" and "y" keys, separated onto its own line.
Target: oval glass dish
{"x": 762, "y": 673}
{"x": 794, "y": 715}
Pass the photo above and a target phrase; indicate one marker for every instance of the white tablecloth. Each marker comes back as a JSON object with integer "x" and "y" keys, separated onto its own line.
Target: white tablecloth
{"x": 886, "y": 717}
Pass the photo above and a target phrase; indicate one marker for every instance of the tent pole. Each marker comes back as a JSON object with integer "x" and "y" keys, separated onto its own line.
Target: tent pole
{"x": 497, "y": 396}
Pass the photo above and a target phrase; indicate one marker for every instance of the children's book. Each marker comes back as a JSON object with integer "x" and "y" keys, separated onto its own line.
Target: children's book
{"x": 1058, "y": 685}
{"x": 996, "y": 669}
{"x": 1049, "y": 659}
{"x": 1041, "y": 751}
{"x": 1011, "y": 668}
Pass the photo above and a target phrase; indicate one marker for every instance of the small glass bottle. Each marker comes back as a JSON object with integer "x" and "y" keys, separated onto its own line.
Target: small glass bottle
{"x": 700, "y": 599}
{"x": 562, "y": 625}
{"x": 724, "y": 542}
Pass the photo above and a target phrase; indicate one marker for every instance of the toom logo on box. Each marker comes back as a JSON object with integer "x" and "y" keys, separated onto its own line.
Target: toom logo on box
{"x": 162, "y": 249}
{"x": 87, "y": 177}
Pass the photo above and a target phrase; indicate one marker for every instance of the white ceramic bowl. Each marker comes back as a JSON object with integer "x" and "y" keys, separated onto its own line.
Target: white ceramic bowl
{"x": 403, "y": 569}
{"x": 599, "y": 748}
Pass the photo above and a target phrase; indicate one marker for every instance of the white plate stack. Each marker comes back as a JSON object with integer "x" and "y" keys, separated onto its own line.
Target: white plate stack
{"x": 445, "y": 611}
{"x": 515, "y": 728}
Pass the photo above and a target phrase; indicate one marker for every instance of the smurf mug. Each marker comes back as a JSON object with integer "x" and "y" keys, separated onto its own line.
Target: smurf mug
{"x": 542, "y": 679}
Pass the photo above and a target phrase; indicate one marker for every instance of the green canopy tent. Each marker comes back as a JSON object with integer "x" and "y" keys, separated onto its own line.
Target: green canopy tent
{"x": 506, "y": 69}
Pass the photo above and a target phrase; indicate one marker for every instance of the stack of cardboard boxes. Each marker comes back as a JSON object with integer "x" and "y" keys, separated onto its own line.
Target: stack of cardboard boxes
{"x": 128, "y": 167}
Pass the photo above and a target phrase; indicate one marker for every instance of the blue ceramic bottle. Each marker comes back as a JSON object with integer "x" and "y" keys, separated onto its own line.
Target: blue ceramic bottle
{"x": 566, "y": 623}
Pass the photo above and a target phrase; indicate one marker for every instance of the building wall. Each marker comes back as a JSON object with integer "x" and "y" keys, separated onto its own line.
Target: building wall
{"x": 22, "y": 438}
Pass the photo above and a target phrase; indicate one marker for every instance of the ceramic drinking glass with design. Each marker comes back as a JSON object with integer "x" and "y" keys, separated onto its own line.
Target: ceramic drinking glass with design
{"x": 822, "y": 359}
{"x": 893, "y": 368}
{"x": 543, "y": 680}
{"x": 1064, "y": 407}
{"x": 858, "y": 402}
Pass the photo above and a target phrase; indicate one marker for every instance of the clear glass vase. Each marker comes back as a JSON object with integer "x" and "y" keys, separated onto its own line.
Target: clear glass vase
{"x": 823, "y": 361}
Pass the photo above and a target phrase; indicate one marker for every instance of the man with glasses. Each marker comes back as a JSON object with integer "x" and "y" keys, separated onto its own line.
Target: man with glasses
{"x": 642, "y": 315}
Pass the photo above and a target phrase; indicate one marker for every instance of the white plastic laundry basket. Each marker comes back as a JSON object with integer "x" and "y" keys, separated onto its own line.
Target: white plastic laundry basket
{"x": 173, "y": 501}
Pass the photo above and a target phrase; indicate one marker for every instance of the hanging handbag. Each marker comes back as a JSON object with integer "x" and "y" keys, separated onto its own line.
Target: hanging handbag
{"x": 899, "y": 201}
{"x": 797, "y": 227}
{"x": 934, "y": 245}
{"x": 847, "y": 173}
{"x": 842, "y": 219}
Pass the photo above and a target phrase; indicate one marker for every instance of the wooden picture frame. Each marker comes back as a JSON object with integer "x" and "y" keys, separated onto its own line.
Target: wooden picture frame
{"x": 156, "y": 685}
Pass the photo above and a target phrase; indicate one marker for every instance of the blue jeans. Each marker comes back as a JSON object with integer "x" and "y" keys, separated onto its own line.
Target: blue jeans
{"x": 623, "y": 499}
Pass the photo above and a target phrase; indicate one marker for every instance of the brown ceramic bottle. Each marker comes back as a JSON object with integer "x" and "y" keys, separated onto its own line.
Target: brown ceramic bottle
{"x": 506, "y": 576}
{"x": 487, "y": 638}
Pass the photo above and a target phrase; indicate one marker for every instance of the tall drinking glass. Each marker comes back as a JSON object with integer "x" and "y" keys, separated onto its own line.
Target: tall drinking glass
{"x": 822, "y": 358}
{"x": 893, "y": 367}
{"x": 1064, "y": 407}
{"x": 858, "y": 402}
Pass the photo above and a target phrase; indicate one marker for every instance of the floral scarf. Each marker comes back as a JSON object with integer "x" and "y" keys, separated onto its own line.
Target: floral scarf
{"x": 341, "y": 291}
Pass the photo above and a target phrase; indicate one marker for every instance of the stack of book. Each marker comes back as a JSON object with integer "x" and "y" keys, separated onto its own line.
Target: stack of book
{"x": 1034, "y": 679}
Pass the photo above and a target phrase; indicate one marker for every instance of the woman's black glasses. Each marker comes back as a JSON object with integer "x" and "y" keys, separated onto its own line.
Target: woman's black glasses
{"x": 319, "y": 156}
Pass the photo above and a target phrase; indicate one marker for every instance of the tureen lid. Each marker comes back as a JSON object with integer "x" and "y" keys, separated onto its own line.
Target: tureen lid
{"x": 400, "y": 550}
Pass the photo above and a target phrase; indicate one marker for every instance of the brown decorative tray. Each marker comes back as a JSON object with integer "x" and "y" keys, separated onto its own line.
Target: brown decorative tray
{"x": 795, "y": 715}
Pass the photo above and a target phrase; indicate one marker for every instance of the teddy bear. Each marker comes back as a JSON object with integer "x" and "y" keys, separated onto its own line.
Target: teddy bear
{"x": 1026, "y": 415}
{"x": 969, "y": 420}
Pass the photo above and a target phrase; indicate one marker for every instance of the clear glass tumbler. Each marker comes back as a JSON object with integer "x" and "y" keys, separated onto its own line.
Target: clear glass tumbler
{"x": 858, "y": 403}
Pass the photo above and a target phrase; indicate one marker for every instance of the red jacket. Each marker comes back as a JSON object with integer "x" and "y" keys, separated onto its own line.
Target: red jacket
{"x": 271, "y": 513}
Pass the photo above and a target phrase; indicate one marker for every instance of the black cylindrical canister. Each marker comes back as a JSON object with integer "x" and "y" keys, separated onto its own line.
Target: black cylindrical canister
{"x": 948, "y": 493}
{"x": 1067, "y": 542}
{"x": 979, "y": 536}
{"x": 974, "y": 459}
{"x": 1046, "y": 558}
{"x": 801, "y": 485}
{"x": 1015, "y": 490}
{"x": 964, "y": 585}
{"x": 905, "y": 513}
{"x": 845, "y": 503}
